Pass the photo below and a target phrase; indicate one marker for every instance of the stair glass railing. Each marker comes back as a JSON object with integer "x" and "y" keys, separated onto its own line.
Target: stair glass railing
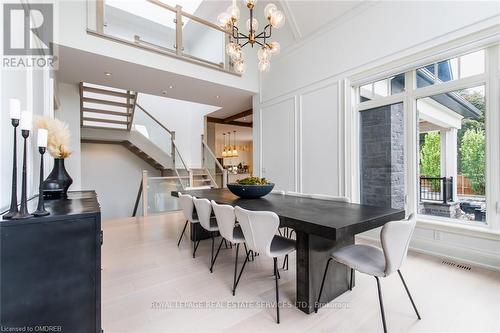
{"x": 155, "y": 195}
{"x": 172, "y": 163}
{"x": 215, "y": 170}
{"x": 162, "y": 27}
{"x": 146, "y": 125}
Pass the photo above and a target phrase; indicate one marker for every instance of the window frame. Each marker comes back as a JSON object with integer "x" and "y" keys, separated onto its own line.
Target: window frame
{"x": 490, "y": 78}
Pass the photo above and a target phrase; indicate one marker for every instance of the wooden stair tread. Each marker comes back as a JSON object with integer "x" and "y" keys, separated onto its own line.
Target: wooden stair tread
{"x": 103, "y": 101}
{"x": 107, "y": 92}
{"x": 100, "y": 120}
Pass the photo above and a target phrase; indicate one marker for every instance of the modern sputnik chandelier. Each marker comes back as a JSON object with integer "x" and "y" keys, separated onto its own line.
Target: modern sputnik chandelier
{"x": 238, "y": 40}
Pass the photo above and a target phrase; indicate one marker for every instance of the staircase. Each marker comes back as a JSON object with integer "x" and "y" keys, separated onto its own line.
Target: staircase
{"x": 112, "y": 116}
{"x": 105, "y": 107}
{"x": 202, "y": 178}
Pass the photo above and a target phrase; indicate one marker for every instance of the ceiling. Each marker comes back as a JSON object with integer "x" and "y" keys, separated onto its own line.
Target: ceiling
{"x": 78, "y": 66}
{"x": 303, "y": 19}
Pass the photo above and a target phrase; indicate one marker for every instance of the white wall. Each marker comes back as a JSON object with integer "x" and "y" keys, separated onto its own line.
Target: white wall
{"x": 69, "y": 112}
{"x": 115, "y": 174}
{"x": 185, "y": 118}
{"x": 33, "y": 89}
{"x": 300, "y": 108}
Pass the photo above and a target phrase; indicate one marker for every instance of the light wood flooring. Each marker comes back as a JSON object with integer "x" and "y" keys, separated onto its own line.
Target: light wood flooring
{"x": 146, "y": 278}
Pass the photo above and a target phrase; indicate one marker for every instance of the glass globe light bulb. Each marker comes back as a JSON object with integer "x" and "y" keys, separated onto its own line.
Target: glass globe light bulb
{"x": 263, "y": 54}
{"x": 230, "y": 48}
{"x": 239, "y": 66}
{"x": 277, "y": 19}
{"x": 269, "y": 9}
{"x": 264, "y": 66}
{"x": 237, "y": 55}
{"x": 274, "y": 48}
{"x": 233, "y": 11}
{"x": 255, "y": 25}
{"x": 223, "y": 20}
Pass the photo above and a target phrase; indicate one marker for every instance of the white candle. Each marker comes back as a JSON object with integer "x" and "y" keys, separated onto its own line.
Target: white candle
{"x": 15, "y": 108}
{"x": 26, "y": 120}
{"x": 42, "y": 137}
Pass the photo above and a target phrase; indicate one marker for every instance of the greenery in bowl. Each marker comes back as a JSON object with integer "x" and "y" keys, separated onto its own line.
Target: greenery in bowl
{"x": 252, "y": 181}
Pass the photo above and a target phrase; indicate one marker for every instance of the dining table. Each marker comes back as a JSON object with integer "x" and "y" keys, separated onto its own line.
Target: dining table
{"x": 321, "y": 227}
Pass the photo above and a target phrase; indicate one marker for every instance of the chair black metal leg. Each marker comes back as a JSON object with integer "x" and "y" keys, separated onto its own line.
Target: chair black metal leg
{"x": 277, "y": 290}
{"x": 279, "y": 232}
{"x": 236, "y": 268}
{"x": 409, "y": 295}
{"x": 215, "y": 258}
{"x": 285, "y": 262}
{"x": 322, "y": 285}
{"x": 352, "y": 278}
{"x": 246, "y": 249}
{"x": 212, "y": 255}
{"x": 381, "y": 304}
{"x": 194, "y": 240}
{"x": 182, "y": 234}
{"x": 241, "y": 272}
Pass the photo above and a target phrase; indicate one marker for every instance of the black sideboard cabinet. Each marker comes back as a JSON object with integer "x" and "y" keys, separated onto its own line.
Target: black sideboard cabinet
{"x": 50, "y": 269}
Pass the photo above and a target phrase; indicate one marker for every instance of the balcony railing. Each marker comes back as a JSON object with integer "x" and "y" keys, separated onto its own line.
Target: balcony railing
{"x": 158, "y": 27}
{"x": 438, "y": 189}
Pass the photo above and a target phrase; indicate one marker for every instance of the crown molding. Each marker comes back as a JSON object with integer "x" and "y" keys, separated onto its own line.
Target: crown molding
{"x": 297, "y": 35}
{"x": 342, "y": 19}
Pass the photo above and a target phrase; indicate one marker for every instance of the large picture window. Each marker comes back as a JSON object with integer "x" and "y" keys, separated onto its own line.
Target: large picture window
{"x": 426, "y": 139}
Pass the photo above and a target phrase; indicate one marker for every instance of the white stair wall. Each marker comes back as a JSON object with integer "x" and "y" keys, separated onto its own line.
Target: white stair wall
{"x": 134, "y": 137}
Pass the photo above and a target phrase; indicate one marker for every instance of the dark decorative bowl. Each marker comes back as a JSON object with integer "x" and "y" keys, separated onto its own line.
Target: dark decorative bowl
{"x": 250, "y": 191}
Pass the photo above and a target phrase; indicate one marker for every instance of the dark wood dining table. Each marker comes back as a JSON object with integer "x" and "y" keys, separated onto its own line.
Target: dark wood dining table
{"x": 321, "y": 226}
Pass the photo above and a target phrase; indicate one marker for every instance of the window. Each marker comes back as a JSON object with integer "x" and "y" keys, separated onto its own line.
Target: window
{"x": 452, "y": 155}
{"x": 451, "y": 69}
{"x": 447, "y": 171}
{"x": 382, "y": 88}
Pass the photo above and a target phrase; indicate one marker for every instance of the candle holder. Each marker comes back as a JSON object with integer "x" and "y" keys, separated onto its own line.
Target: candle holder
{"x": 23, "y": 209}
{"x": 40, "y": 211}
{"x": 13, "y": 197}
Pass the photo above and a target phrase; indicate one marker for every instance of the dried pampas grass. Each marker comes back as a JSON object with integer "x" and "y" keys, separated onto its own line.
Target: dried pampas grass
{"x": 58, "y": 140}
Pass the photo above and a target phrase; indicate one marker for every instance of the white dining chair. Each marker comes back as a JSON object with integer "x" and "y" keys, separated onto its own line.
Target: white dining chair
{"x": 259, "y": 229}
{"x": 226, "y": 219}
{"x": 330, "y": 197}
{"x": 209, "y": 223}
{"x": 187, "y": 205}
{"x": 395, "y": 238}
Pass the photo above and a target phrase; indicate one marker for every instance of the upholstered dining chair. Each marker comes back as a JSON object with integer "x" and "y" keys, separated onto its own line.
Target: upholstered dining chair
{"x": 259, "y": 229}
{"x": 209, "y": 223}
{"x": 226, "y": 219}
{"x": 187, "y": 205}
{"x": 395, "y": 238}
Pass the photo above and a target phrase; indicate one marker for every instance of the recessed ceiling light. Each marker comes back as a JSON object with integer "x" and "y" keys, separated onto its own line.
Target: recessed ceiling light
{"x": 107, "y": 73}
{"x": 170, "y": 86}
{"x": 217, "y": 96}
{"x": 164, "y": 92}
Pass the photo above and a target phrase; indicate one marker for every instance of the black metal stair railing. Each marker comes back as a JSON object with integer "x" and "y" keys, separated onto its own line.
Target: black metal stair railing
{"x": 438, "y": 189}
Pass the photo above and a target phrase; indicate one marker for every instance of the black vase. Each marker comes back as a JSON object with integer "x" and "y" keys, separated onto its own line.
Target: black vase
{"x": 57, "y": 183}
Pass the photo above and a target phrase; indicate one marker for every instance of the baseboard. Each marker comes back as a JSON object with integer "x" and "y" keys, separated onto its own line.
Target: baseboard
{"x": 454, "y": 252}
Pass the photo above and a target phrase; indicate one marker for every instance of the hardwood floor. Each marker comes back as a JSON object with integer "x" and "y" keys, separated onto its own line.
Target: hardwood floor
{"x": 151, "y": 285}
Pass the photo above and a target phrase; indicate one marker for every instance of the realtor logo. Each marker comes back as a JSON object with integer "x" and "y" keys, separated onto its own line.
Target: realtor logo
{"x": 28, "y": 35}
{"x": 28, "y": 29}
